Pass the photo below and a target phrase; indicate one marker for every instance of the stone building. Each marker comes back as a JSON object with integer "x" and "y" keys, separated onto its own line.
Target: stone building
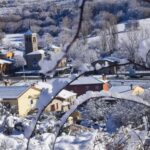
{"x": 31, "y": 43}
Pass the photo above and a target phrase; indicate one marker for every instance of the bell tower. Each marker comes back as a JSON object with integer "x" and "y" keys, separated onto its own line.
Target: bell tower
{"x": 31, "y": 43}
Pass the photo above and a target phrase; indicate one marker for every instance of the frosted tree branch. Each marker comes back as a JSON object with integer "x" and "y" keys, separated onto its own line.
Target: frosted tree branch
{"x": 32, "y": 128}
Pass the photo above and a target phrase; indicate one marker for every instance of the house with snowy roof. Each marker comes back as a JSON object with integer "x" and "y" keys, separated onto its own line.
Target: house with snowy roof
{"x": 84, "y": 84}
{"x": 24, "y": 97}
{"x": 62, "y": 102}
{"x": 111, "y": 61}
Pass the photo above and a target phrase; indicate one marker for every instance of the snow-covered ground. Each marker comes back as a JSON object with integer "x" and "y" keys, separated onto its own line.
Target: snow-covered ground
{"x": 14, "y": 39}
{"x": 130, "y": 138}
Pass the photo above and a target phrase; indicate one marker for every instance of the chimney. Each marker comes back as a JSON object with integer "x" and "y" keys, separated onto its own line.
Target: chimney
{"x": 106, "y": 87}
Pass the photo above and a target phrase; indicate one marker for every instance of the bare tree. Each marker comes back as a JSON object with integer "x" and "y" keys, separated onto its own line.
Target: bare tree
{"x": 108, "y": 33}
{"x": 131, "y": 44}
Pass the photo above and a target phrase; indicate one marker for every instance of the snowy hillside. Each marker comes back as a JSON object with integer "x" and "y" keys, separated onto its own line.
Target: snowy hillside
{"x": 142, "y": 34}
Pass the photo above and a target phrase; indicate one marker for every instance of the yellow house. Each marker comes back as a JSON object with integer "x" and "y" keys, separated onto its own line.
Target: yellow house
{"x": 63, "y": 101}
{"x": 137, "y": 90}
{"x": 24, "y": 97}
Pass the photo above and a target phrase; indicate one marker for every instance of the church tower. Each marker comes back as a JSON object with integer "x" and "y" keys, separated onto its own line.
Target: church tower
{"x": 31, "y": 43}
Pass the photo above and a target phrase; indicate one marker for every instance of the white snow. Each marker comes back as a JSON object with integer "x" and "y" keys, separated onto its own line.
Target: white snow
{"x": 123, "y": 36}
{"x": 13, "y": 39}
{"x": 49, "y": 65}
{"x": 66, "y": 94}
{"x": 86, "y": 81}
{"x": 2, "y": 61}
{"x": 42, "y": 52}
{"x": 120, "y": 89}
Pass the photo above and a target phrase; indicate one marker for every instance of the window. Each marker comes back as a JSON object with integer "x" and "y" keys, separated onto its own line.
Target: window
{"x": 34, "y": 39}
{"x": 56, "y": 105}
{"x": 53, "y": 107}
{"x": 31, "y": 101}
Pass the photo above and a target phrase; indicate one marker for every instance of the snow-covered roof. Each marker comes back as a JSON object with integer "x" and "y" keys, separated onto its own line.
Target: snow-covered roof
{"x": 120, "y": 89}
{"x": 54, "y": 46}
{"x": 42, "y": 52}
{"x": 2, "y": 61}
{"x": 29, "y": 32}
{"x": 44, "y": 85}
{"x": 12, "y": 92}
{"x": 86, "y": 81}
{"x": 14, "y": 39}
{"x": 100, "y": 78}
{"x": 63, "y": 94}
{"x": 114, "y": 59}
{"x": 66, "y": 94}
{"x": 18, "y": 53}
{"x": 111, "y": 59}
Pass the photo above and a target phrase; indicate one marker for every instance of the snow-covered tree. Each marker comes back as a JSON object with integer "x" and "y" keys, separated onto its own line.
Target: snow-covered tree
{"x": 120, "y": 113}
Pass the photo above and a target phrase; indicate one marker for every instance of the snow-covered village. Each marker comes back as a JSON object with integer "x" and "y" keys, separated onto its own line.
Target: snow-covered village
{"x": 74, "y": 75}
